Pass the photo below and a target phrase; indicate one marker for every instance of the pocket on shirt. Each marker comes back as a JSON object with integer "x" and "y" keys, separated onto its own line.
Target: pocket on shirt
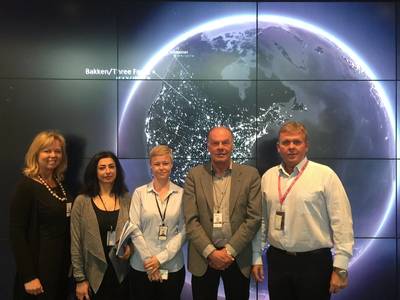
{"x": 310, "y": 203}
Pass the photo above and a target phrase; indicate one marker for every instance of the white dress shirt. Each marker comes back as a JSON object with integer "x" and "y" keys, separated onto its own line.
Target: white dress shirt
{"x": 145, "y": 216}
{"x": 317, "y": 213}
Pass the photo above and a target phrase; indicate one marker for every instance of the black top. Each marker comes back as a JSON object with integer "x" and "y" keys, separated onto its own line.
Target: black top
{"x": 39, "y": 233}
{"x": 107, "y": 221}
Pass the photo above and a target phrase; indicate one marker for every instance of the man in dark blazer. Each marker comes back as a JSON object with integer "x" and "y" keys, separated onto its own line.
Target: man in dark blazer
{"x": 222, "y": 208}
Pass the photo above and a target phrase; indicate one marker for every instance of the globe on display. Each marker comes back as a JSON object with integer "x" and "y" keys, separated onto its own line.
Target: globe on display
{"x": 226, "y": 72}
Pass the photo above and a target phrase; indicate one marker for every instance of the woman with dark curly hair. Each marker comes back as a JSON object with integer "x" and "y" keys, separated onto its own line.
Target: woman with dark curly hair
{"x": 97, "y": 218}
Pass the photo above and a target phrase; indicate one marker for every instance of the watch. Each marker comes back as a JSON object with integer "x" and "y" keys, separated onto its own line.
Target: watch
{"x": 341, "y": 272}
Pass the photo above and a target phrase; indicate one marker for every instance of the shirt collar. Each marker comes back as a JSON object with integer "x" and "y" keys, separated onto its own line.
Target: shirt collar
{"x": 172, "y": 188}
{"x": 296, "y": 169}
{"x": 226, "y": 172}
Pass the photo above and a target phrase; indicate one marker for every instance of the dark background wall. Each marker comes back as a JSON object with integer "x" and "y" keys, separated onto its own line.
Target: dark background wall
{"x": 331, "y": 65}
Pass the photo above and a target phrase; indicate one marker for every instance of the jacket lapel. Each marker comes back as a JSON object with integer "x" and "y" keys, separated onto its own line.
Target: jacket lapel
{"x": 121, "y": 216}
{"x": 94, "y": 242}
{"x": 235, "y": 188}
{"x": 206, "y": 183}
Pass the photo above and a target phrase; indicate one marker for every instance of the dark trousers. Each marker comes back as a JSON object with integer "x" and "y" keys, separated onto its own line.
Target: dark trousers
{"x": 51, "y": 291}
{"x": 305, "y": 276}
{"x": 110, "y": 287}
{"x": 141, "y": 288}
{"x": 236, "y": 285}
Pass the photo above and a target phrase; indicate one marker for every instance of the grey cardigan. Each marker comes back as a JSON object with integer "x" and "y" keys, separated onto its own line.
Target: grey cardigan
{"x": 87, "y": 254}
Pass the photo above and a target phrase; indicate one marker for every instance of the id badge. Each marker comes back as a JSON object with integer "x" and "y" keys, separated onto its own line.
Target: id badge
{"x": 68, "y": 209}
{"x": 162, "y": 232}
{"x": 164, "y": 274}
{"x": 217, "y": 220}
{"x": 279, "y": 220}
{"x": 111, "y": 238}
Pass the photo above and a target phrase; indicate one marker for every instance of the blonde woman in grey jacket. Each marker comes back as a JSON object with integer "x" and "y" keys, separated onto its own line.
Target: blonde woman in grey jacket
{"x": 97, "y": 218}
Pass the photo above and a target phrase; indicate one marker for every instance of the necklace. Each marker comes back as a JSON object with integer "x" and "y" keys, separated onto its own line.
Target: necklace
{"x": 42, "y": 181}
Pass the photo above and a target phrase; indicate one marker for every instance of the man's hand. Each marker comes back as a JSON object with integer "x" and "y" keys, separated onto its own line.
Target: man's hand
{"x": 220, "y": 259}
{"x": 337, "y": 283}
{"x": 151, "y": 264}
{"x": 82, "y": 290}
{"x": 257, "y": 271}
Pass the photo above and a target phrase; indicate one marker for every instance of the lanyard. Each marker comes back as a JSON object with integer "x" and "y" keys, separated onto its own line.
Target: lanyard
{"x": 108, "y": 215}
{"x": 115, "y": 202}
{"x": 283, "y": 198}
{"x": 216, "y": 189}
{"x": 162, "y": 216}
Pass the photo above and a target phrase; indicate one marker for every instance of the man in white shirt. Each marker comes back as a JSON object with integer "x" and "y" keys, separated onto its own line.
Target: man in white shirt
{"x": 306, "y": 212}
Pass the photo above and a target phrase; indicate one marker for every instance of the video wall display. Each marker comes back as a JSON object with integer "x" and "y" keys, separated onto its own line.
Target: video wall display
{"x": 126, "y": 76}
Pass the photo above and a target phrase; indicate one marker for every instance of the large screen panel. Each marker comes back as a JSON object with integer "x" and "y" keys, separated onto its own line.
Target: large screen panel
{"x": 326, "y": 41}
{"x": 57, "y": 40}
{"x": 377, "y": 264}
{"x": 6, "y": 264}
{"x": 85, "y": 109}
{"x": 346, "y": 119}
{"x": 188, "y": 40}
{"x": 371, "y": 194}
{"x": 180, "y": 113}
{"x": 125, "y": 76}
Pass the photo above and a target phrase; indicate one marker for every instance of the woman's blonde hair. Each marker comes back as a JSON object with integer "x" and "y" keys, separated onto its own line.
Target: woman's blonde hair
{"x": 42, "y": 140}
{"x": 160, "y": 150}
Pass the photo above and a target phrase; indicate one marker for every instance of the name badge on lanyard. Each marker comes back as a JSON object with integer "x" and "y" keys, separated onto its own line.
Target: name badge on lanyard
{"x": 68, "y": 208}
{"x": 111, "y": 237}
{"x": 279, "y": 220}
{"x": 217, "y": 220}
{"x": 164, "y": 274}
{"x": 162, "y": 232}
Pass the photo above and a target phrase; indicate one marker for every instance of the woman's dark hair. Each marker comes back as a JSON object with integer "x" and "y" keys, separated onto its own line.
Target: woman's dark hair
{"x": 91, "y": 183}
